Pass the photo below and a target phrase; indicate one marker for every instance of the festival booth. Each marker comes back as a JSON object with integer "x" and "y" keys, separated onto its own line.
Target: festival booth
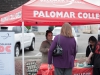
{"x": 43, "y": 70}
{"x": 53, "y": 12}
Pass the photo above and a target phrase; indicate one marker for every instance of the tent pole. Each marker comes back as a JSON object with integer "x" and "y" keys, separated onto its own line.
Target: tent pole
{"x": 23, "y": 47}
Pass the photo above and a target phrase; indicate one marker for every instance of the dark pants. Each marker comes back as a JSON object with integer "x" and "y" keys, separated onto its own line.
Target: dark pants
{"x": 63, "y": 71}
{"x": 96, "y": 71}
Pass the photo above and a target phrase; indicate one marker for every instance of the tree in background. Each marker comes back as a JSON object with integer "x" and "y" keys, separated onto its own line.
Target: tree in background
{"x": 51, "y": 28}
{"x": 28, "y": 27}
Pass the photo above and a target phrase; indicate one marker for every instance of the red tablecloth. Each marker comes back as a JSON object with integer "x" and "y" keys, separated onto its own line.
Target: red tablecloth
{"x": 76, "y": 70}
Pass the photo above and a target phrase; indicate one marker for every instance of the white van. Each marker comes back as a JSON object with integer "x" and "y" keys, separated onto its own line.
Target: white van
{"x": 29, "y": 38}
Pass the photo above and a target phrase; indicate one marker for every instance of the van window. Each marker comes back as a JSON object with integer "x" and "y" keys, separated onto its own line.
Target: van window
{"x": 4, "y": 28}
{"x": 14, "y": 29}
{"x": 9, "y": 29}
{"x": 19, "y": 29}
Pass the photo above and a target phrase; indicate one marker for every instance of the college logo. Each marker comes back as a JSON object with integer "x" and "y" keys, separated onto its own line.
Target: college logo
{"x": 10, "y": 17}
{"x": 6, "y": 36}
{"x": 59, "y": 2}
{"x": 97, "y": 50}
{"x": 5, "y": 49}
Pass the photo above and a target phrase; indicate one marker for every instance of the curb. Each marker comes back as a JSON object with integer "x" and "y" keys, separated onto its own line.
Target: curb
{"x": 29, "y": 57}
{"x": 78, "y": 55}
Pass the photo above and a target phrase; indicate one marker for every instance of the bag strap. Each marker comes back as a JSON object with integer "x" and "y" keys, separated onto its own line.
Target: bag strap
{"x": 90, "y": 48}
{"x": 58, "y": 43}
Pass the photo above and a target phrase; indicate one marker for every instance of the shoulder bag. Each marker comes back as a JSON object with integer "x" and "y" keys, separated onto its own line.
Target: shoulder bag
{"x": 58, "y": 50}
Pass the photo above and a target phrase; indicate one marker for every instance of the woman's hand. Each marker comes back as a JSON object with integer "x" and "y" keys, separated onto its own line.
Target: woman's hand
{"x": 49, "y": 66}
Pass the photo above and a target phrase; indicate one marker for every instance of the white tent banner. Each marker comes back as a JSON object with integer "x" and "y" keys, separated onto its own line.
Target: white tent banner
{"x": 7, "y": 64}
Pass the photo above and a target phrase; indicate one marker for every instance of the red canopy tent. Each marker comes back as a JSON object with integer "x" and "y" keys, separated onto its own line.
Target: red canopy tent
{"x": 53, "y": 12}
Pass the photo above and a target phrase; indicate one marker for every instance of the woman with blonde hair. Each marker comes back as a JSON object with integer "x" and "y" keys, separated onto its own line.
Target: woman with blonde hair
{"x": 63, "y": 64}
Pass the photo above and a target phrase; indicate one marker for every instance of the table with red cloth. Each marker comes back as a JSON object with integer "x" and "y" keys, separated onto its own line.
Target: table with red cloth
{"x": 76, "y": 70}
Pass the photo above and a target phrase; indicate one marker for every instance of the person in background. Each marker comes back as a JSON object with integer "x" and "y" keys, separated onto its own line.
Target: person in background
{"x": 96, "y": 58}
{"x": 44, "y": 48}
{"x": 63, "y": 64}
{"x": 92, "y": 41}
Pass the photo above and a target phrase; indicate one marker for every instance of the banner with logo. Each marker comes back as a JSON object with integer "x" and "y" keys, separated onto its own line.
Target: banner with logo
{"x": 7, "y": 64}
{"x": 76, "y": 70}
{"x": 82, "y": 71}
{"x": 77, "y": 12}
{"x": 61, "y": 11}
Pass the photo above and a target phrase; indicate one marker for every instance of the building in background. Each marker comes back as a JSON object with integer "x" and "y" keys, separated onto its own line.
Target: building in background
{"x": 39, "y": 28}
{"x": 89, "y": 29}
{"x": 8, "y": 5}
{"x": 42, "y": 28}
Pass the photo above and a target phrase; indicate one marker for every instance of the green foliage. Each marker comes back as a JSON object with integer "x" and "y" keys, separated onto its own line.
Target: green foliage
{"x": 28, "y": 27}
{"x": 51, "y": 28}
